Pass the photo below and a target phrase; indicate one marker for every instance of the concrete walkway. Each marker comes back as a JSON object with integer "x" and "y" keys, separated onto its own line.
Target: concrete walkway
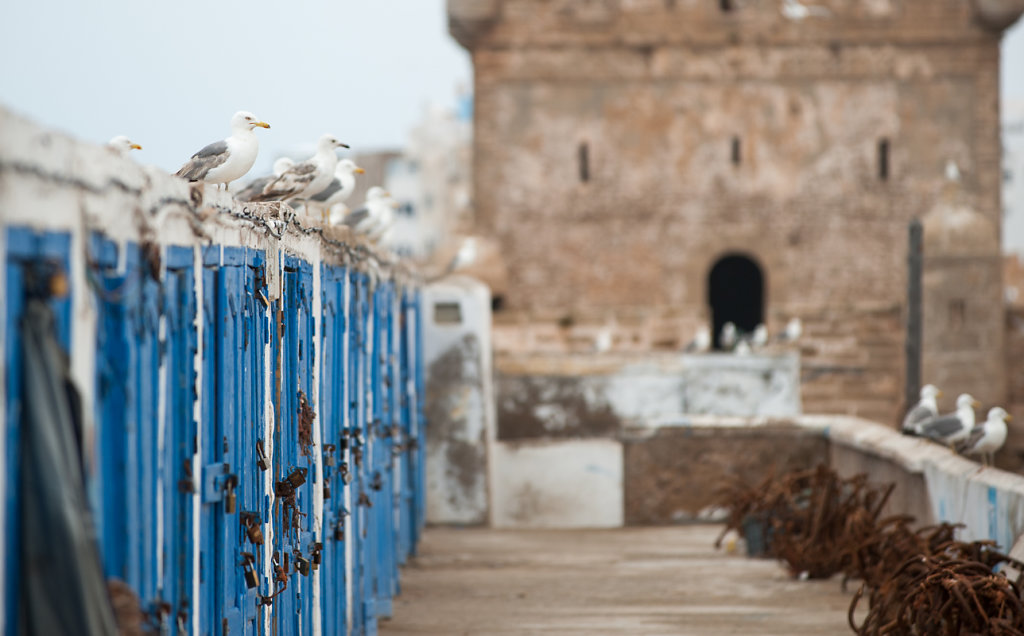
{"x": 636, "y": 581}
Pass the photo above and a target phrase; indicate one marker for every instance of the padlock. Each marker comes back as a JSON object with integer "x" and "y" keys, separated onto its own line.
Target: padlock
{"x": 346, "y": 476}
{"x": 339, "y": 531}
{"x": 329, "y": 454}
{"x": 301, "y": 565}
{"x": 255, "y": 534}
{"x": 327, "y": 489}
{"x": 229, "y": 498}
{"x": 261, "y": 456}
{"x": 297, "y": 477}
{"x": 252, "y": 581}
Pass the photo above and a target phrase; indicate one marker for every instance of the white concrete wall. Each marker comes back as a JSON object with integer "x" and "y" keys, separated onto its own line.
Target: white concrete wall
{"x": 459, "y": 401}
{"x": 558, "y": 484}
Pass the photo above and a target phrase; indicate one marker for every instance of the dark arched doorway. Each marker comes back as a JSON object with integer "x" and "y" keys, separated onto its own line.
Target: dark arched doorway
{"x": 736, "y": 295}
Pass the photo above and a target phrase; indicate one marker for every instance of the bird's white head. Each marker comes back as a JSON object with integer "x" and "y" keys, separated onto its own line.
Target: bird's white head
{"x": 328, "y": 143}
{"x": 347, "y": 166}
{"x": 930, "y": 391}
{"x": 966, "y": 401}
{"x": 122, "y": 145}
{"x": 245, "y": 121}
{"x": 376, "y": 193}
{"x": 998, "y": 413}
{"x": 282, "y": 164}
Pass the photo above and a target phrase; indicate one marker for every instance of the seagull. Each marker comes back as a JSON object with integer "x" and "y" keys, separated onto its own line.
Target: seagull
{"x": 340, "y": 187}
{"x": 794, "y": 329}
{"x": 987, "y": 438}
{"x": 374, "y": 215}
{"x": 305, "y": 179}
{"x": 256, "y": 186}
{"x": 925, "y": 409}
{"x": 701, "y": 340}
{"x": 385, "y": 219}
{"x": 727, "y": 339}
{"x": 795, "y": 10}
{"x": 759, "y": 337}
{"x": 121, "y": 145}
{"x": 229, "y": 159}
{"x": 952, "y": 428}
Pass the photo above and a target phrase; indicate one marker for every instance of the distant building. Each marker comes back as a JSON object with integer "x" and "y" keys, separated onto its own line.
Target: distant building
{"x": 1013, "y": 177}
{"x": 655, "y": 166}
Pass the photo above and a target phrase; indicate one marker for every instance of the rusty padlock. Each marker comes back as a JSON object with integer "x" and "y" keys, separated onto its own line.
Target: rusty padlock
{"x": 230, "y": 500}
{"x": 251, "y": 521}
{"x": 301, "y": 564}
{"x": 252, "y": 580}
{"x": 297, "y": 477}
{"x": 327, "y": 488}
{"x": 346, "y": 476}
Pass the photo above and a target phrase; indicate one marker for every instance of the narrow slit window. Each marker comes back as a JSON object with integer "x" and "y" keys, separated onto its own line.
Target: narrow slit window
{"x": 883, "y": 159}
{"x": 736, "y": 151}
{"x": 726, "y": 5}
{"x": 447, "y": 314}
{"x": 957, "y": 314}
{"x": 584, "y": 162}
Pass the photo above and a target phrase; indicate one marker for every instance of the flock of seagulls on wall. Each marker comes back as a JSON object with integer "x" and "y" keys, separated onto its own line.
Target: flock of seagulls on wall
{"x": 732, "y": 340}
{"x": 957, "y": 430}
{"x": 319, "y": 185}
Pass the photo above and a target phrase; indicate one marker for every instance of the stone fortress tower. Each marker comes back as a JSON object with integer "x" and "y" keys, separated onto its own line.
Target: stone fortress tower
{"x": 650, "y": 166}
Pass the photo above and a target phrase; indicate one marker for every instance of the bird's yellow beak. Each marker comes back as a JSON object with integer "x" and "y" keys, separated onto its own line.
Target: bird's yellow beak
{"x": 135, "y": 147}
{"x": 262, "y": 124}
{"x": 975, "y": 404}
{"x": 938, "y": 393}
{"x": 359, "y": 171}
{"x": 1008, "y": 417}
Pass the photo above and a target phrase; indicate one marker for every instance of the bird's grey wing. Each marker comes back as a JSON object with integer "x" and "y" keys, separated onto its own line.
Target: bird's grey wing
{"x": 326, "y": 193}
{"x": 973, "y": 438}
{"x": 941, "y": 427}
{"x": 204, "y": 161}
{"x": 293, "y": 181}
{"x": 916, "y": 415}
{"x": 357, "y": 216}
{"x": 254, "y": 188}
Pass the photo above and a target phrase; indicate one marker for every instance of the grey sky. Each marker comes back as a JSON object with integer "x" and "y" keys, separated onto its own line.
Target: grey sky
{"x": 169, "y": 75}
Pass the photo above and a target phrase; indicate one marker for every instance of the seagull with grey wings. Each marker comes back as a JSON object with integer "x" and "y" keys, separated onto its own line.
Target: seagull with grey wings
{"x": 926, "y": 409}
{"x": 952, "y": 428}
{"x": 988, "y": 437}
{"x": 256, "y": 186}
{"x": 374, "y": 217}
{"x": 229, "y": 159}
{"x": 308, "y": 178}
{"x": 339, "y": 189}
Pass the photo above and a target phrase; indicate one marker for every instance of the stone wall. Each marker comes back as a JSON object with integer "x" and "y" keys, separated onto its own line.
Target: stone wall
{"x": 709, "y": 132}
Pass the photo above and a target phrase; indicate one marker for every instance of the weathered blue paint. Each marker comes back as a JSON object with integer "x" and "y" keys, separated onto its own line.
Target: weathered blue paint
{"x": 174, "y": 339}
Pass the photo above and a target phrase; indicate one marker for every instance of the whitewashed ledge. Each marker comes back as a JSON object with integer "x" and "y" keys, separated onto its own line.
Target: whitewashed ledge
{"x": 933, "y": 483}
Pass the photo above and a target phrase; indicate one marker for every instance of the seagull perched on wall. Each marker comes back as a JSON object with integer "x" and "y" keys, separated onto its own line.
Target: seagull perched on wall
{"x": 796, "y": 10}
{"x": 794, "y": 329}
{"x": 229, "y": 159}
{"x": 925, "y": 409}
{"x": 375, "y": 217}
{"x": 759, "y": 337}
{"x": 701, "y": 340}
{"x": 256, "y": 185}
{"x": 728, "y": 337}
{"x": 988, "y": 437}
{"x": 308, "y": 178}
{"x": 952, "y": 428}
{"x": 339, "y": 189}
{"x": 122, "y": 146}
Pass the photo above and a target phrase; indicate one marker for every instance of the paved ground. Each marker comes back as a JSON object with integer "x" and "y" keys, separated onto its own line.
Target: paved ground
{"x": 636, "y": 581}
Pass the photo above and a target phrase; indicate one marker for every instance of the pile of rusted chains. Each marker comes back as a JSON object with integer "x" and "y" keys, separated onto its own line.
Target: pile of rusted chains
{"x": 917, "y": 581}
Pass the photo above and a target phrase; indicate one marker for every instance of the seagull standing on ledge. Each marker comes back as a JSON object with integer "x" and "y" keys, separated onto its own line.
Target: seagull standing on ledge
{"x": 229, "y": 159}
{"x": 950, "y": 429}
{"x": 988, "y": 437}
{"x": 925, "y": 409}
{"x": 122, "y": 145}
{"x": 340, "y": 187}
{"x": 308, "y": 178}
{"x": 256, "y": 185}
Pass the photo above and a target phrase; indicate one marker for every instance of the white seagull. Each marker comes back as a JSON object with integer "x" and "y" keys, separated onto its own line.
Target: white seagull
{"x": 340, "y": 188}
{"x": 950, "y": 429}
{"x": 375, "y": 214}
{"x": 759, "y": 337}
{"x": 308, "y": 178}
{"x": 122, "y": 146}
{"x": 229, "y": 159}
{"x": 925, "y": 409}
{"x": 795, "y": 10}
{"x": 701, "y": 340}
{"x": 794, "y": 329}
{"x": 256, "y": 185}
{"x": 728, "y": 337}
{"x": 988, "y": 437}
